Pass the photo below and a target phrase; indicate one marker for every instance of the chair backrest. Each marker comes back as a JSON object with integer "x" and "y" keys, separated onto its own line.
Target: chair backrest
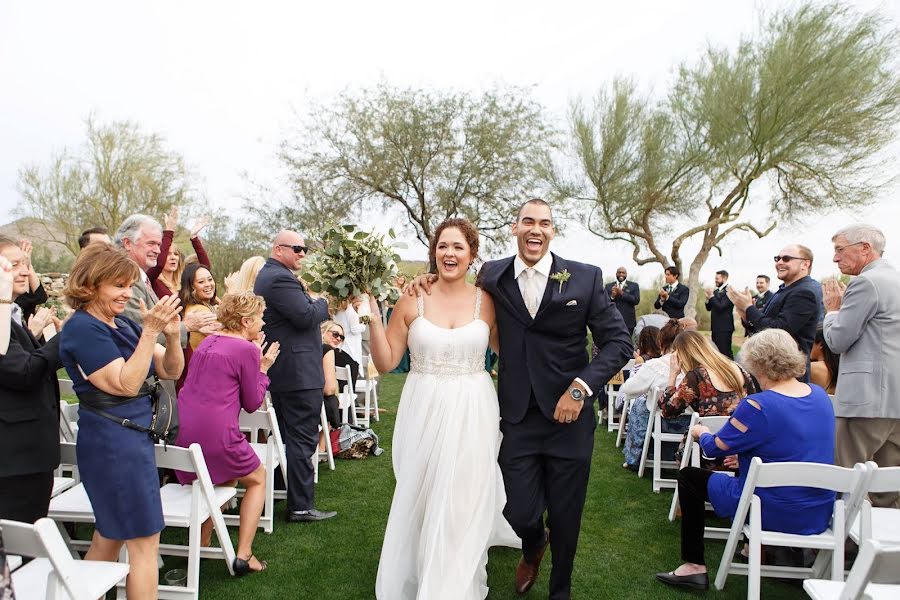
{"x": 714, "y": 424}
{"x": 66, "y": 387}
{"x": 805, "y": 474}
{"x": 883, "y": 479}
{"x": 343, "y": 374}
{"x": 653, "y": 402}
{"x": 43, "y": 540}
{"x": 255, "y": 420}
{"x": 68, "y": 421}
{"x": 67, "y": 454}
{"x": 874, "y": 562}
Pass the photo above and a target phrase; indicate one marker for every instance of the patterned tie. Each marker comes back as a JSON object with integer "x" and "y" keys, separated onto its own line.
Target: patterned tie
{"x": 531, "y": 293}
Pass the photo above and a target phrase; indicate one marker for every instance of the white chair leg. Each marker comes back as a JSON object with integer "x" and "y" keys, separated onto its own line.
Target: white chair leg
{"x": 754, "y": 566}
{"x": 622, "y": 421}
{"x": 657, "y": 466}
{"x": 375, "y": 404}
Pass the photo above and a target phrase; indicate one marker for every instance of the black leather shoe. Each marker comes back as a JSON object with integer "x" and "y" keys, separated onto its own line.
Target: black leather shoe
{"x": 242, "y": 567}
{"x": 300, "y": 516}
{"x": 698, "y": 581}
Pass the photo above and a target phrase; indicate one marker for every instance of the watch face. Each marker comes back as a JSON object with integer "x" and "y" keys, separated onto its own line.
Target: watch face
{"x": 576, "y": 394}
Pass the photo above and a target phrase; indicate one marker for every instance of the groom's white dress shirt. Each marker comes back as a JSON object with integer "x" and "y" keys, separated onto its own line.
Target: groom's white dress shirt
{"x": 533, "y": 285}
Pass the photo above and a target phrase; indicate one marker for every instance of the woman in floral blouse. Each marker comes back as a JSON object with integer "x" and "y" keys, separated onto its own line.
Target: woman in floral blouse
{"x": 712, "y": 385}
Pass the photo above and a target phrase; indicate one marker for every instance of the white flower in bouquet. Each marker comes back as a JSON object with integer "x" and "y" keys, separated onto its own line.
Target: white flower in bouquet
{"x": 353, "y": 262}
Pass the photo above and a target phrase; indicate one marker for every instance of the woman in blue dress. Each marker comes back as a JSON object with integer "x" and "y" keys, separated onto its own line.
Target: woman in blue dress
{"x": 104, "y": 352}
{"x": 789, "y": 421}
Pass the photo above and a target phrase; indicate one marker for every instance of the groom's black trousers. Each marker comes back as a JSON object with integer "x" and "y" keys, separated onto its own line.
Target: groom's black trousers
{"x": 545, "y": 467}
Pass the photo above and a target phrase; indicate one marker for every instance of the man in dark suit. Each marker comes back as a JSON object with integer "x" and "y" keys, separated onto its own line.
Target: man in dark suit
{"x": 795, "y": 307}
{"x": 626, "y": 295}
{"x": 29, "y": 405}
{"x": 721, "y": 311}
{"x": 673, "y": 296}
{"x": 760, "y": 300}
{"x": 544, "y": 306}
{"x": 292, "y": 318}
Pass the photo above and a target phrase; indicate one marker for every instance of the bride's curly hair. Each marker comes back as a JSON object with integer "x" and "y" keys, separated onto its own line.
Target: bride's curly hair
{"x": 465, "y": 227}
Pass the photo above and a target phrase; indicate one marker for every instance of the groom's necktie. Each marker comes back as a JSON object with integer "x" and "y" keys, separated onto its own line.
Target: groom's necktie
{"x": 531, "y": 293}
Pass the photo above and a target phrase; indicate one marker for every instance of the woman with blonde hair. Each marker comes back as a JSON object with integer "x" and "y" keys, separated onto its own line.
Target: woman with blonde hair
{"x": 244, "y": 279}
{"x": 165, "y": 277}
{"x": 712, "y": 384}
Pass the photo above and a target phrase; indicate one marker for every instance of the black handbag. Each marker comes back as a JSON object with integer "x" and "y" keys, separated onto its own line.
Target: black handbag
{"x": 164, "y": 424}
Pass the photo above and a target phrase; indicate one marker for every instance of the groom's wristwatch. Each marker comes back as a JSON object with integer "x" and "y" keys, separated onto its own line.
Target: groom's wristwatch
{"x": 577, "y": 394}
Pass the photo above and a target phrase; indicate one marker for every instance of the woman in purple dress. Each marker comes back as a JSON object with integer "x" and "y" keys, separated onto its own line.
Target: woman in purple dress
{"x": 228, "y": 373}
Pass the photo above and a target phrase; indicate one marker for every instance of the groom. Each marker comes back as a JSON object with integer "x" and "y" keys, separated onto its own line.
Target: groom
{"x": 544, "y": 306}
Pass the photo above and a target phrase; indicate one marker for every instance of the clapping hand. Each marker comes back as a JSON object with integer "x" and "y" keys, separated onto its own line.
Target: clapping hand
{"x": 833, "y": 294}
{"x": 163, "y": 317}
{"x": 741, "y": 299}
{"x": 198, "y": 320}
{"x": 39, "y": 320}
{"x": 663, "y": 294}
{"x": 199, "y": 223}
{"x": 6, "y": 279}
{"x": 267, "y": 357}
{"x": 615, "y": 292}
{"x": 708, "y": 291}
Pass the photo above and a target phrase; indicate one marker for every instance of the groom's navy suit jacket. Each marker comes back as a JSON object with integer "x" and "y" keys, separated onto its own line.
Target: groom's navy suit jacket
{"x": 542, "y": 356}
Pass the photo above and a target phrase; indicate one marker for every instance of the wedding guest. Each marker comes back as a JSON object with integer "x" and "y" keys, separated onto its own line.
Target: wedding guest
{"x": 673, "y": 296}
{"x": 824, "y": 364}
{"x": 626, "y": 295}
{"x": 788, "y": 421}
{"x": 94, "y": 234}
{"x": 243, "y": 279}
{"x": 229, "y": 374}
{"x": 657, "y": 318}
{"x": 292, "y": 318}
{"x": 197, "y": 295}
{"x": 29, "y": 400}
{"x": 863, "y": 325}
{"x": 332, "y": 336}
{"x": 721, "y": 311}
{"x": 348, "y": 318}
{"x": 35, "y": 295}
{"x": 648, "y": 345}
{"x": 653, "y": 373}
{"x": 165, "y": 276}
{"x": 108, "y": 358}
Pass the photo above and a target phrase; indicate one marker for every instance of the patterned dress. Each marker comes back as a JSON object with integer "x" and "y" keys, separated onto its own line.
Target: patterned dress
{"x": 698, "y": 392}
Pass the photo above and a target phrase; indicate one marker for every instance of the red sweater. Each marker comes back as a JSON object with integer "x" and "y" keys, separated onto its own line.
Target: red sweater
{"x": 153, "y": 274}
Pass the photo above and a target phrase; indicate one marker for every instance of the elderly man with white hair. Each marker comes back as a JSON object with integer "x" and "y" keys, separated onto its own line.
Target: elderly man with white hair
{"x": 863, "y": 326}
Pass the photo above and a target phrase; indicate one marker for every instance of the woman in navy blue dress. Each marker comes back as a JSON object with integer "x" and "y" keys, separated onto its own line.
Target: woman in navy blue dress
{"x": 789, "y": 421}
{"x": 103, "y": 351}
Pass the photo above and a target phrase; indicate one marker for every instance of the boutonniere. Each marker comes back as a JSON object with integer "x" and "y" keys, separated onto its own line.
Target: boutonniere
{"x": 562, "y": 277}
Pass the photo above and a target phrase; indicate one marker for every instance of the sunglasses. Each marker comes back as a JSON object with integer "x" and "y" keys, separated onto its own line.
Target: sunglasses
{"x": 337, "y": 336}
{"x": 788, "y": 259}
{"x": 296, "y": 249}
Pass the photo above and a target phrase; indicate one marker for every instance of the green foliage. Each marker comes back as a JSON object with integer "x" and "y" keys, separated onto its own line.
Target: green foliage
{"x": 432, "y": 154}
{"x": 118, "y": 171}
{"x": 351, "y": 262}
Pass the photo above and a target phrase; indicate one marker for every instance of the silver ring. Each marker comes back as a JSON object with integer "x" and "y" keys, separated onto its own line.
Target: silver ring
{"x": 568, "y": 420}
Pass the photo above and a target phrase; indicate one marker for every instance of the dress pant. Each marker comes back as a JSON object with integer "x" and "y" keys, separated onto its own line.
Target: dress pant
{"x": 722, "y": 340}
{"x": 545, "y": 467}
{"x": 692, "y": 496}
{"x": 25, "y": 498}
{"x": 859, "y": 439}
{"x": 299, "y": 413}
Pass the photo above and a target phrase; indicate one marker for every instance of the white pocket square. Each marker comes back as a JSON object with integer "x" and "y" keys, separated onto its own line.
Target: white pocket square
{"x": 572, "y": 303}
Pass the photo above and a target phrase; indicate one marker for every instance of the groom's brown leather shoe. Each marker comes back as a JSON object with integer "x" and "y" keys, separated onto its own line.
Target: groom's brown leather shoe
{"x": 526, "y": 573}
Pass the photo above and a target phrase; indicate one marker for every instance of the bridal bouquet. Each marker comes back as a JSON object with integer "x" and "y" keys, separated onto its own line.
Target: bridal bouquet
{"x": 353, "y": 262}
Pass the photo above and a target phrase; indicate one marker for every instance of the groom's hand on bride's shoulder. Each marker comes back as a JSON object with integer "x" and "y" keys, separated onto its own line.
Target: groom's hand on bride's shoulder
{"x": 422, "y": 283}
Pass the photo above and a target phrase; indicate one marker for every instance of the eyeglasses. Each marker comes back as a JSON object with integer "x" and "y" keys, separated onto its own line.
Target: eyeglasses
{"x": 788, "y": 259}
{"x": 296, "y": 249}
{"x": 840, "y": 249}
{"x": 337, "y": 336}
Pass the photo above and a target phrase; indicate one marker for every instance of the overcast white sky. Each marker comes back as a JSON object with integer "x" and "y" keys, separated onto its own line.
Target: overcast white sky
{"x": 220, "y": 80}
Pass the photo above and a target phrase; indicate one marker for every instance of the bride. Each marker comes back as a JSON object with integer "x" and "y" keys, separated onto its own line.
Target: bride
{"x": 449, "y": 498}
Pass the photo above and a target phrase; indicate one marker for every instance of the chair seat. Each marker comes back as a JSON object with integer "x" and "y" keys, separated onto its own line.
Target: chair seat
{"x": 824, "y": 589}
{"x": 261, "y": 450}
{"x": 822, "y": 541}
{"x": 176, "y": 503}
{"x": 72, "y": 505}
{"x": 97, "y": 577}
{"x": 885, "y": 525}
{"x": 61, "y": 484}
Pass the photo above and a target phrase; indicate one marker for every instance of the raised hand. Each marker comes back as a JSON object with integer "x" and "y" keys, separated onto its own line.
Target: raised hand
{"x": 26, "y": 247}
{"x": 40, "y": 319}
{"x": 708, "y": 291}
{"x": 741, "y": 300}
{"x": 163, "y": 317}
{"x": 6, "y": 279}
{"x": 833, "y": 294}
{"x": 171, "y": 219}
{"x": 663, "y": 294}
{"x": 199, "y": 223}
{"x": 267, "y": 358}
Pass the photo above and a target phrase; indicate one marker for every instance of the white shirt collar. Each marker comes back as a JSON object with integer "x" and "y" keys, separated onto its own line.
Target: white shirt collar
{"x": 543, "y": 266}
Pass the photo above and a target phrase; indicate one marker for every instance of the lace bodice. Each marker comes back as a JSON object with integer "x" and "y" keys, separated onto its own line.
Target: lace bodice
{"x": 435, "y": 350}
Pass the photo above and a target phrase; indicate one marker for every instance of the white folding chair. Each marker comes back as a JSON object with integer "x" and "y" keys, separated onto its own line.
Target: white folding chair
{"x": 875, "y": 561}
{"x": 185, "y": 506}
{"x": 654, "y": 432}
{"x": 879, "y": 524}
{"x": 68, "y": 421}
{"x": 55, "y": 573}
{"x": 611, "y": 423}
{"x": 346, "y": 395}
{"x": 691, "y": 456}
{"x": 623, "y": 421}
{"x": 829, "y": 543}
{"x": 66, "y": 387}
{"x": 367, "y": 391}
{"x": 263, "y": 420}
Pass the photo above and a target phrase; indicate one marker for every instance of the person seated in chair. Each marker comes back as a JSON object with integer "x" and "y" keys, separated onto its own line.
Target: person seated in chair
{"x": 787, "y": 421}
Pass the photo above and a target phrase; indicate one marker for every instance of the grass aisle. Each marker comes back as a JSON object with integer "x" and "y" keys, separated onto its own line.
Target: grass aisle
{"x": 626, "y": 537}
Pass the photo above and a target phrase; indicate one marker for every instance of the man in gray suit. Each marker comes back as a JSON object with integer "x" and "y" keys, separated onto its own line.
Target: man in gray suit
{"x": 863, "y": 326}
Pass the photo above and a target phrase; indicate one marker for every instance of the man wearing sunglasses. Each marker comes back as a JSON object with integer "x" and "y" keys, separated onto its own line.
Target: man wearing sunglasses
{"x": 795, "y": 307}
{"x": 292, "y": 317}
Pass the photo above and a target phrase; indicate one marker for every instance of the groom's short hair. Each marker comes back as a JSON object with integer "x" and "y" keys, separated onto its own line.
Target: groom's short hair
{"x": 532, "y": 201}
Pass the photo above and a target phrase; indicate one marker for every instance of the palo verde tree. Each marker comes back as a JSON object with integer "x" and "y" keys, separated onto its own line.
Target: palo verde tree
{"x": 118, "y": 171}
{"x": 804, "y": 107}
{"x": 432, "y": 154}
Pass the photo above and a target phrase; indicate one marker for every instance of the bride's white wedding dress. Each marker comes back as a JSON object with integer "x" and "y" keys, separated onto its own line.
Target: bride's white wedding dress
{"x": 448, "y": 502}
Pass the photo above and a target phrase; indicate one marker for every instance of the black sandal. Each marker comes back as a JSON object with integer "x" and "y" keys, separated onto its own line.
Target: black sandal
{"x": 242, "y": 567}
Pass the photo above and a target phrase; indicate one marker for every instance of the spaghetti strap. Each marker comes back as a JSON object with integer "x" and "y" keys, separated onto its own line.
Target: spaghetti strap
{"x": 477, "y": 303}
{"x": 420, "y": 302}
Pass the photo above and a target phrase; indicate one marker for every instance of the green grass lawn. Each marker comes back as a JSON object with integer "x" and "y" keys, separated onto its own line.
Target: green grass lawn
{"x": 625, "y": 538}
